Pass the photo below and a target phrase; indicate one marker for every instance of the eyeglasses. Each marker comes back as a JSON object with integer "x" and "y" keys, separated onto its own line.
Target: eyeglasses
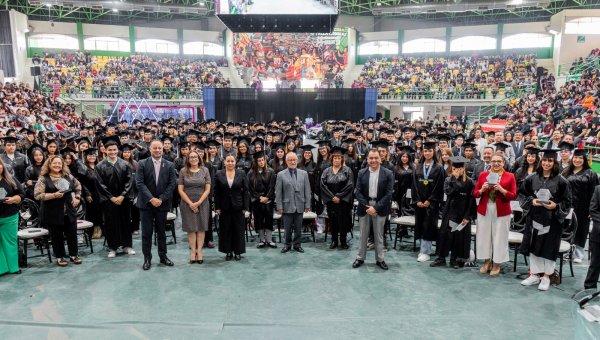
{"x": 497, "y": 161}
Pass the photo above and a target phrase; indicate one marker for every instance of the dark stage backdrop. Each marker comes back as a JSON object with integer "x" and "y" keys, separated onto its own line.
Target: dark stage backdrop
{"x": 242, "y": 105}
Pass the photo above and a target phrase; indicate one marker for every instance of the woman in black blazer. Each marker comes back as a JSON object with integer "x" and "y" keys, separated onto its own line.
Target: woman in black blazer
{"x": 232, "y": 200}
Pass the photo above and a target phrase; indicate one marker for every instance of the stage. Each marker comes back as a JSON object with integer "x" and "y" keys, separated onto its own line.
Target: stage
{"x": 269, "y": 295}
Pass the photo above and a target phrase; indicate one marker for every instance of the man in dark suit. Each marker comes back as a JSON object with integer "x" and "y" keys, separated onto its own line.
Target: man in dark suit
{"x": 591, "y": 279}
{"x": 486, "y": 157}
{"x": 374, "y": 190}
{"x": 156, "y": 179}
{"x": 518, "y": 144}
{"x": 293, "y": 199}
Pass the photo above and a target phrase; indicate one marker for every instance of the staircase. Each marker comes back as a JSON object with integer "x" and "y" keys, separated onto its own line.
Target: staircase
{"x": 231, "y": 73}
{"x": 352, "y": 74}
{"x": 91, "y": 111}
{"x": 486, "y": 113}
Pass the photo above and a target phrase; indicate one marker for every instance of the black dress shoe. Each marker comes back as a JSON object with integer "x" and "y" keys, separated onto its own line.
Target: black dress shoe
{"x": 165, "y": 260}
{"x": 192, "y": 261}
{"x": 344, "y": 246}
{"x": 357, "y": 263}
{"x": 285, "y": 250}
{"x": 272, "y": 245}
{"x": 199, "y": 261}
{"x": 299, "y": 249}
{"x": 333, "y": 245}
{"x": 382, "y": 265}
{"x": 229, "y": 256}
{"x": 260, "y": 245}
{"x": 147, "y": 264}
{"x": 438, "y": 263}
{"x": 237, "y": 257}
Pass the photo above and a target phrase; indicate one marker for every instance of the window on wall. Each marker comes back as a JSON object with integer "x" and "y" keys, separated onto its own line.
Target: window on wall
{"x": 473, "y": 43}
{"x": 378, "y": 47}
{"x": 424, "y": 45}
{"x": 54, "y": 41}
{"x": 156, "y": 46}
{"x": 526, "y": 40}
{"x": 587, "y": 25}
{"x": 202, "y": 48}
{"x": 106, "y": 44}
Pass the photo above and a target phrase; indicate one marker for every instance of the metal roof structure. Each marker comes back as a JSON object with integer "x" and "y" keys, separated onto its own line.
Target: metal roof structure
{"x": 454, "y": 12}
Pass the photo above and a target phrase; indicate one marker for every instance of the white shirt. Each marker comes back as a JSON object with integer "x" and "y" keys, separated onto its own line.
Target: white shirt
{"x": 373, "y": 181}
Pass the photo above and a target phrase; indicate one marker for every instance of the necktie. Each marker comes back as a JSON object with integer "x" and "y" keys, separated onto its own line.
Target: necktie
{"x": 156, "y": 170}
{"x": 486, "y": 167}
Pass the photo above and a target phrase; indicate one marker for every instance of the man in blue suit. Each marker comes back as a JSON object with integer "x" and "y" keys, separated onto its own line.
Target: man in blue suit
{"x": 374, "y": 190}
{"x": 156, "y": 179}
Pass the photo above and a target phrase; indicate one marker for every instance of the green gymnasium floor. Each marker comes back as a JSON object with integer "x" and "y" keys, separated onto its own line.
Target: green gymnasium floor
{"x": 269, "y": 295}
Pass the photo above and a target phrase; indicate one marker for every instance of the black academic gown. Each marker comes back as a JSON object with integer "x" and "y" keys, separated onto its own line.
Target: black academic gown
{"x": 18, "y": 164}
{"x": 115, "y": 180}
{"x": 459, "y": 205}
{"x": 31, "y": 173}
{"x": 244, "y": 163}
{"x": 426, "y": 219}
{"x": 262, "y": 184}
{"x": 546, "y": 245}
{"x": 403, "y": 183}
{"x": 582, "y": 185}
{"x": 311, "y": 170}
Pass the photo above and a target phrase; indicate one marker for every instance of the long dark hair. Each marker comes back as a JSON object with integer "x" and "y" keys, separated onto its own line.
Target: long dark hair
{"x": 188, "y": 165}
{"x": 555, "y": 168}
{"x": 255, "y": 170}
{"x": 7, "y": 175}
{"x": 568, "y": 171}
{"x": 399, "y": 165}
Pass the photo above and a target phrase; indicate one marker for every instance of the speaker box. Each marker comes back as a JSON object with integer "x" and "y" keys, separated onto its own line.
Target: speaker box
{"x": 36, "y": 71}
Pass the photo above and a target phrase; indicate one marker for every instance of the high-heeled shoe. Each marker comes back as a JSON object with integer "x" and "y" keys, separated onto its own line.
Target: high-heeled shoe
{"x": 487, "y": 265}
{"x": 199, "y": 261}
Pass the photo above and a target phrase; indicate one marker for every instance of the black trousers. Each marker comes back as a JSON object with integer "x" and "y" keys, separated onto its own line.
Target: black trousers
{"x": 153, "y": 220}
{"x": 134, "y": 213}
{"x": 232, "y": 228}
{"x": 117, "y": 228}
{"x": 58, "y": 233}
{"x": 591, "y": 279}
{"x": 340, "y": 216}
{"x": 263, "y": 216}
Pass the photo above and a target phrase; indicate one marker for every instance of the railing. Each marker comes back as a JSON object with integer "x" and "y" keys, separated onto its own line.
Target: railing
{"x": 114, "y": 92}
{"x": 458, "y": 94}
{"x": 484, "y": 114}
{"x": 573, "y": 72}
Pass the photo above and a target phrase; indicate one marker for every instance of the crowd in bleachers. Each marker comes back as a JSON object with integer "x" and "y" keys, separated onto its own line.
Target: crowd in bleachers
{"x": 447, "y": 78}
{"x": 142, "y": 76}
{"x": 20, "y": 105}
{"x": 572, "y": 109}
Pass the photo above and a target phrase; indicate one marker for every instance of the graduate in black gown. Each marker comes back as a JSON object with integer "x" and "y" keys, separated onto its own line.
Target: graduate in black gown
{"x": 529, "y": 165}
{"x": 36, "y": 156}
{"x": 459, "y": 211}
{"x": 545, "y": 218}
{"x": 427, "y": 193}
{"x": 336, "y": 187}
{"x": 93, "y": 211}
{"x": 243, "y": 157}
{"x": 261, "y": 185}
{"x": 115, "y": 183}
{"x": 583, "y": 180}
{"x": 405, "y": 168}
{"x": 307, "y": 163}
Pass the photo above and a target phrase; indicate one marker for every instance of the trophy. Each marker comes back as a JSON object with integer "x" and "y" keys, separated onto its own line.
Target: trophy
{"x": 63, "y": 185}
{"x": 2, "y": 195}
{"x": 493, "y": 178}
{"x": 544, "y": 196}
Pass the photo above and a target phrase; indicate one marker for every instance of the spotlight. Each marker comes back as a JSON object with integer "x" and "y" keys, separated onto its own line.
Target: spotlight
{"x": 115, "y": 10}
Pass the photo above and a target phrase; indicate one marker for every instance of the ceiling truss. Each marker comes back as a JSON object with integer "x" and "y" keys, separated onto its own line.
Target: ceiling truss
{"x": 347, "y": 7}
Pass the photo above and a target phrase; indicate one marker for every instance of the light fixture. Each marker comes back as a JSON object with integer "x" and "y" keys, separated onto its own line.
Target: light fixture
{"x": 115, "y": 10}
{"x": 201, "y": 3}
{"x": 48, "y": 5}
